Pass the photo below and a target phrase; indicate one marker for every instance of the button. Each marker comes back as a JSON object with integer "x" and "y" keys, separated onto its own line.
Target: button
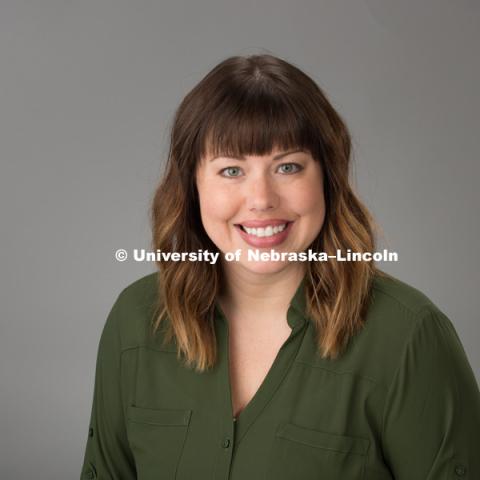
{"x": 226, "y": 443}
{"x": 89, "y": 474}
{"x": 460, "y": 470}
{"x": 90, "y": 432}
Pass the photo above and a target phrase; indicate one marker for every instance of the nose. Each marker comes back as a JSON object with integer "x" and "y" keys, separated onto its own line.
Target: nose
{"x": 261, "y": 193}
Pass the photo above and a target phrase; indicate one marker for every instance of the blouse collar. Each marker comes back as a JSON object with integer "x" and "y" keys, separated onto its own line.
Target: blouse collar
{"x": 296, "y": 313}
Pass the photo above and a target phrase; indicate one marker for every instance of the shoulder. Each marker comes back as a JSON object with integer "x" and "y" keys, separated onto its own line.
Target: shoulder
{"x": 398, "y": 307}
{"x": 392, "y": 292}
{"x": 133, "y": 312}
{"x": 140, "y": 293}
{"x": 400, "y": 317}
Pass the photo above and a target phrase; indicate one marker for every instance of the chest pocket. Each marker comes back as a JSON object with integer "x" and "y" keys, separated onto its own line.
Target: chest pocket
{"x": 303, "y": 454}
{"x": 156, "y": 438}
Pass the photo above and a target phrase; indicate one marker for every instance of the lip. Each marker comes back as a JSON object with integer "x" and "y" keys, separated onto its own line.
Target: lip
{"x": 265, "y": 242}
{"x": 263, "y": 223}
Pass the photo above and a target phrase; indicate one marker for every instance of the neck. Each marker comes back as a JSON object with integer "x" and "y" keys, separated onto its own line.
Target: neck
{"x": 253, "y": 295}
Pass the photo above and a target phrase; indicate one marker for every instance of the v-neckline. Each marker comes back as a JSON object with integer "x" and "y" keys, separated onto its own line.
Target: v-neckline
{"x": 276, "y": 373}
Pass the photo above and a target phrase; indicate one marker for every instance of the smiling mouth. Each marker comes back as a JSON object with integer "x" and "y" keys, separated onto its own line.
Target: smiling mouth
{"x": 261, "y": 232}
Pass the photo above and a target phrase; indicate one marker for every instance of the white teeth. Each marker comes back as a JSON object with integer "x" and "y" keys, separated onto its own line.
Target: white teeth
{"x": 265, "y": 232}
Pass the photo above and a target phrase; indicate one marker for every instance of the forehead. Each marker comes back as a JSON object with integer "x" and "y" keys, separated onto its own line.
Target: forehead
{"x": 275, "y": 154}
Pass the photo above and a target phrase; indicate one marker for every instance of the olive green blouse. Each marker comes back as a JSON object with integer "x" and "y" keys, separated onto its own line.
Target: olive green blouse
{"x": 401, "y": 403}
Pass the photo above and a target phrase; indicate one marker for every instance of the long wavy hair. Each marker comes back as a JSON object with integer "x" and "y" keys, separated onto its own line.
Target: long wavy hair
{"x": 249, "y": 105}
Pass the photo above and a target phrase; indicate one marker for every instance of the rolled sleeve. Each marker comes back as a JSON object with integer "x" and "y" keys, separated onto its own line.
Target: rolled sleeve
{"x": 431, "y": 418}
{"x": 107, "y": 453}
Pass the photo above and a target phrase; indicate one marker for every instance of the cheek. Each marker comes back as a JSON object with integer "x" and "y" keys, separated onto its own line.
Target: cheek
{"x": 309, "y": 200}
{"x": 216, "y": 206}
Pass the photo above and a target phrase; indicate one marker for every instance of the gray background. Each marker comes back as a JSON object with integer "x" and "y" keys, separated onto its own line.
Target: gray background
{"x": 87, "y": 94}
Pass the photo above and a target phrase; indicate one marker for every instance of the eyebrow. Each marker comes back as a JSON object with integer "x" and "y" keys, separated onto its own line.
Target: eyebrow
{"x": 276, "y": 157}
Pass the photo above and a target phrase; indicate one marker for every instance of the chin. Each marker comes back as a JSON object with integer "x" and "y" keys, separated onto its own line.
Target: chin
{"x": 264, "y": 268}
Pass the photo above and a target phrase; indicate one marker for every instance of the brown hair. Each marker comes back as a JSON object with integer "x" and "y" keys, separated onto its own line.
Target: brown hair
{"x": 248, "y": 105}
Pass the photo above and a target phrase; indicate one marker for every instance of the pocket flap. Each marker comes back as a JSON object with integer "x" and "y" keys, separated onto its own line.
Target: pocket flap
{"x": 324, "y": 440}
{"x": 154, "y": 416}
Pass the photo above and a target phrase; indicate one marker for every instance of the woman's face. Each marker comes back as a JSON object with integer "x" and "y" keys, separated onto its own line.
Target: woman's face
{"x": 266, "y": 202}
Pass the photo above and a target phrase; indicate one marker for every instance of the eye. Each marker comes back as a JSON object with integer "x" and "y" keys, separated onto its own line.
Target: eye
{"x": 232, "y": 172}
{"x": 289, "y": 168}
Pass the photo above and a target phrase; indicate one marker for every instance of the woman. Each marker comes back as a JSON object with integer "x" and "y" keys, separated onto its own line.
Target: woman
{"x": 276, "y": 369}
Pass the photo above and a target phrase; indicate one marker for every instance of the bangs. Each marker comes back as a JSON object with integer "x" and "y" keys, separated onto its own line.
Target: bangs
{"x": 255, "y": 123}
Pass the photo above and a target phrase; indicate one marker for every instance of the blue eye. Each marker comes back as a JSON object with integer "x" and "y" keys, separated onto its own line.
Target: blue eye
{"x": 292, "y": 168}
{"x": 288, "y": 169}
{"x": 235, "y": 172}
